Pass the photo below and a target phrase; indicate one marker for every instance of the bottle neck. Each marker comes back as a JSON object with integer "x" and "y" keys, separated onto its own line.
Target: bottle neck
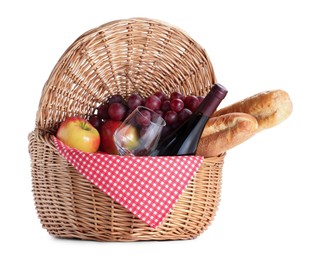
{"x": 210, "y": 103}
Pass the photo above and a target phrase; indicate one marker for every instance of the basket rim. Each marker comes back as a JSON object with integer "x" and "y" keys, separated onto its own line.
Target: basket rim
{"x": 46, "y": 136}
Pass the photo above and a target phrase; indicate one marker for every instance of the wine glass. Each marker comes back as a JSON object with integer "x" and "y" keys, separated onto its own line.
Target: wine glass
{"x": 139, "y": 133}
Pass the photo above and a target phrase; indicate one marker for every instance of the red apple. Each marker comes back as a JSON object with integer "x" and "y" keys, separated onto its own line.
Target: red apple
{"x": 78, "y": 133}
{"x": 107, "y": 130}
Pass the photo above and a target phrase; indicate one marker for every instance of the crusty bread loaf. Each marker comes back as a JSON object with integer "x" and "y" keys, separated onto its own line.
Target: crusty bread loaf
{"x": 225, "y": 132}
{"x": 269, "y": 108}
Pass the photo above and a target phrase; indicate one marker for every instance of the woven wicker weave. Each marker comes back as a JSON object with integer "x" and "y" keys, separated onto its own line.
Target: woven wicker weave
{"x": 122, "y": 57}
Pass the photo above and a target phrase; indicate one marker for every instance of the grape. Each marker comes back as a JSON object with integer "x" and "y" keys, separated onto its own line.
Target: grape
{"x": 166, "y": 106}
{"x": 116, "y": 99}
{"x": 191, "y": 102}
{"x": 142, "y": 152}
{"x": 157, "y": 117}
{"x": 166, "y": 130}
{"x": 160, "y": 95}
{"x": 170, "y": 117}
{"x": 143, "y": 118}
{"x": 153, "y": 102}
{"x": 175, "y": 125}
{"x": 143, "y": 131}
{"x": 134, "y": 101}
{"x": 176, "y": 94}
{"x": 177, "y": 104}
{"x": 200, "y": 98}
{"x": 160, "y": 112}
{"x": 95, "y": 121}
{"x": 117, "y": 111}
{"x": 102, "y": 111}
{"x": 184, "y": 115}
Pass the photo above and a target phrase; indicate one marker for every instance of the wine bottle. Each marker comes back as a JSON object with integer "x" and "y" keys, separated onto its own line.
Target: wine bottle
{"x": 184, "y": 140}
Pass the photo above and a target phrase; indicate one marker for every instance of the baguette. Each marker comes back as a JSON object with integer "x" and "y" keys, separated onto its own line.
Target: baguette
{"x": 225, "y": 132}
{"x": 269, "y": 108}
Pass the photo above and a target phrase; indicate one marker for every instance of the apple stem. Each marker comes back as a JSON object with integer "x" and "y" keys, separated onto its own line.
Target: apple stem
{"x": 84, "y": 126}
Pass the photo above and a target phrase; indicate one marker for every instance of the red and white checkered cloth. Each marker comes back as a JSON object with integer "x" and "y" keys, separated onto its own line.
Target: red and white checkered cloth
{"x": 146, "y": 186}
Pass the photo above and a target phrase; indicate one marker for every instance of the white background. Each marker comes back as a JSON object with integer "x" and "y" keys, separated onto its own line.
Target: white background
{"x": 266, "y": 204}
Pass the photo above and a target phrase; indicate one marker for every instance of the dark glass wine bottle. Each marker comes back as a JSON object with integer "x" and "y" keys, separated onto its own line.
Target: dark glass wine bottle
{"x": 184, "y": 140}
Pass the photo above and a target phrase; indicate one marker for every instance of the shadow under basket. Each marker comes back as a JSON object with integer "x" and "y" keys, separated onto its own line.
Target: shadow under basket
{"x": 121, "y": 57}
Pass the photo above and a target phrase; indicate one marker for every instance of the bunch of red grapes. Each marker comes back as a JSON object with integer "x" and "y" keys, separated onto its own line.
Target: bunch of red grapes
{"x": 175, "y": 109}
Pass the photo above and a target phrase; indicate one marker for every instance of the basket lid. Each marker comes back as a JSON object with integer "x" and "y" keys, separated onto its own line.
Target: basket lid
{"x": 123, "y": 56}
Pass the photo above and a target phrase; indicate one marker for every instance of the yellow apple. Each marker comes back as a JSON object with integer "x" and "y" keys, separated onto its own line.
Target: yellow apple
{"x": 128, "y": 136}
{"x": 76, "y": 132}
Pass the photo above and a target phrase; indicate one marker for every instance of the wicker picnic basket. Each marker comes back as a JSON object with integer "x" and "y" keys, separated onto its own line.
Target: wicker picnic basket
{"x": 122, "y": 56}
